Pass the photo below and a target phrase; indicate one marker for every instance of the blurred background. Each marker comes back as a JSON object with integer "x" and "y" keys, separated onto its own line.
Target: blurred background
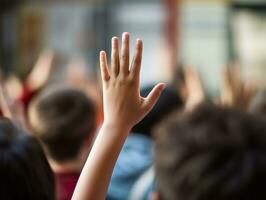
{"x": 205, "y": 34}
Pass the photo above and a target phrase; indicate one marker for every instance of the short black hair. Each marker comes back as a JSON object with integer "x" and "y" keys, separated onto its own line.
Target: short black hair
{"x": 63, "y": 118}
{"x": 24, "y": 170}
{"x": 168, "y": 102}
{"x": 211, "y": 153}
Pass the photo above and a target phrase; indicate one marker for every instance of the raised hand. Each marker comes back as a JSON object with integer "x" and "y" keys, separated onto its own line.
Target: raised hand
{"x": 194, "y": 88}
{"x": 234, "y": 91}
{"x": 11, "y": 108}
{"x": 123, "y": 108}
{"x": 41, "y": 71}
{"x": 123, "y": 104}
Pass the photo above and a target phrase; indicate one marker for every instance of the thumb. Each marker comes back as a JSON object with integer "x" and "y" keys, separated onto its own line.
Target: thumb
{"x": 153, "y": 96}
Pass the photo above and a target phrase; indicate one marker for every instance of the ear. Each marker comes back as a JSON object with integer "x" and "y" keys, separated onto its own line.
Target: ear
{"x": 154, "y": 196}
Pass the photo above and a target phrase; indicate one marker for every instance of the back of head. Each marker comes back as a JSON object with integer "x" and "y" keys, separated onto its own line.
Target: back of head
{"x": 211, "y": 153}
{"x": 24, "y": 170}
{"x": 169, "y": 100}
{"x": 62, "y": 119}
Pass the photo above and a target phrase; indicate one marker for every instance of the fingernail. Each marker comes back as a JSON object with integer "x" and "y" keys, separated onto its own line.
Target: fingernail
{"x": 114, "y": 38}
{"x": 102, "y": 54}
{"x": 139, "y": 41}
{"x": 115, "y": 41}
{"x": 125, "y": 35}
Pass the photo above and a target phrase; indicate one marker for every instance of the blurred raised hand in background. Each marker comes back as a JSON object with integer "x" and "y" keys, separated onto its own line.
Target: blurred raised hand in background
{"x": 40, "y": 72}
{"x": 234, "y": 91}
{"x": 194, "y": 90}
{"x": 11, "y": 108}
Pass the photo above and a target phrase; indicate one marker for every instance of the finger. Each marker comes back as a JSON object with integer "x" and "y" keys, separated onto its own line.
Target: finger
{"x": 115, "y": 56}
{"x": 136, "y": 63}
{"x": 124, "y": 67}
{"x": 104, "y": 67}
{"x": 153, "y": 97}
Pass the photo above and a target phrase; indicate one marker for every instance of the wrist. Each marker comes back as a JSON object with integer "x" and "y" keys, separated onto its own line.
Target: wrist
{"x": 116, "y": 126}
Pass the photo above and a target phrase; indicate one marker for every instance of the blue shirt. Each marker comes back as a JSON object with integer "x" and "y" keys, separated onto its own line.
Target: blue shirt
{"x": 135, "y": 158}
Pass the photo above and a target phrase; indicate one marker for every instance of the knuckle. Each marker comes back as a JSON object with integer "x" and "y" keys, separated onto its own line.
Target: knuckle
{"x": 124, "y": 56}
{"x": 122, "y": 81}
{"x": 131, "y": 79}
{"x": 125, "y": 81}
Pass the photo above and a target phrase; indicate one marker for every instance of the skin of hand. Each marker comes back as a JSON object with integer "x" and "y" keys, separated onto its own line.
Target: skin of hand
{"x": 3, "y": 103}
{"x": 231, "y": 86}
{"x": 194, "y": 88}
{"x": 11, "y": 108}
{"x": 41, "y": 71}
{"x": 121, "y": 97}
{"x": 236, "y": 92}
{"x": 13, "y": 86}
{"x": 123, "y": 108}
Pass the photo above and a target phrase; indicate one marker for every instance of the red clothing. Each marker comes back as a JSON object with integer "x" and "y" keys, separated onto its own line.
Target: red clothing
{"x": 27, "y": 95}
{"x": 65, "y": 184}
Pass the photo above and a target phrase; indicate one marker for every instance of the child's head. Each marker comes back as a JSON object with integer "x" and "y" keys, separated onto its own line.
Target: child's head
{"x": 63, "y": 120}
{"x": 24, "y": 170}
{"x": 211, "y": 153}
{"x": 169, "y": 100}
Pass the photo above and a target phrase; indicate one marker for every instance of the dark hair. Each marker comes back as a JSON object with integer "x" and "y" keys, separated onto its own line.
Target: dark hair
{"x": 211, "y": 153}
{"x": 24, "y": 170}
{"x": 167, "y": 103}
{"x": 62, "y": 119}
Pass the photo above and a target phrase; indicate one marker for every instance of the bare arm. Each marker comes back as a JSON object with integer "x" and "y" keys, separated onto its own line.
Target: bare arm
{"x": 123, "y": 108}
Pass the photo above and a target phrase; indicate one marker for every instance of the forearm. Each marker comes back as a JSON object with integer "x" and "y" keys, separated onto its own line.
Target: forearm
{"x": 96, "y": 174}
{"x": 123, "y": 108}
